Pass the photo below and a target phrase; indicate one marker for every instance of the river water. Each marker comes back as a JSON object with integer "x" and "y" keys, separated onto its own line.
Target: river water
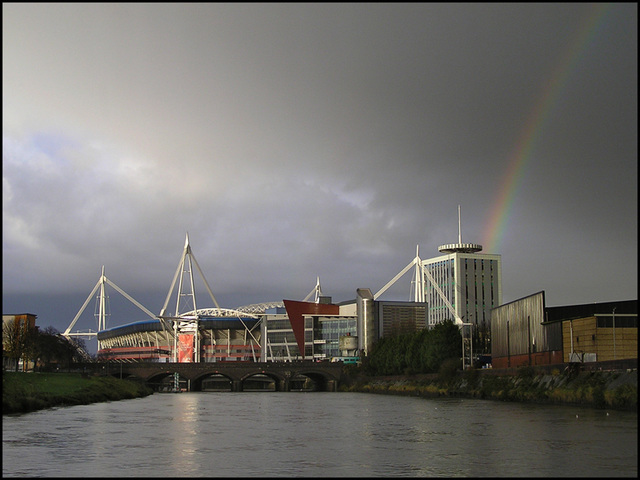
{"x": 276, "y": 434}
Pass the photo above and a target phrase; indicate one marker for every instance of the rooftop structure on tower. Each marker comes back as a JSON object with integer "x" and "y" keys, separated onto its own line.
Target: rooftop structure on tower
{"x": 460, "y": 247}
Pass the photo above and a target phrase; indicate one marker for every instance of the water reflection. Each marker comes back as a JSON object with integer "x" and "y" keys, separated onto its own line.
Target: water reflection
{"x": 317, "y": 434}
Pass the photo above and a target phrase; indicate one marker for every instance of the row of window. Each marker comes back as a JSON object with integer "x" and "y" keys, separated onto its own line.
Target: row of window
{"x": 443, "y": 273}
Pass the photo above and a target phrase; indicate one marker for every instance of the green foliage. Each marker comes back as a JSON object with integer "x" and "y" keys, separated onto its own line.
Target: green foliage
{"x": 526, "y": 372}
{"x": 495, "y": 387}
{"x": 592, "y": 389}
{"x": 51, "y": 348}
{"x": 448, "y": 370}
{"x": 420, "y": 352}
{"x": 623, "y": 397}
{"x": 598, "y": 397}
{"x": 471, "y": 376}
{"x": 24, "y": 392}
{"x": 43, "y": 347}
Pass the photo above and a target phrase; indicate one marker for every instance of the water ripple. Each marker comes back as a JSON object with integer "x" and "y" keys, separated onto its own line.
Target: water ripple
{"x": 320, "y": 434}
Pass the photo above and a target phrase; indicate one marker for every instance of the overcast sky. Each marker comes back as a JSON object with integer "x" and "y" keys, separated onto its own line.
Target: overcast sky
{"x": 300, "y": 140}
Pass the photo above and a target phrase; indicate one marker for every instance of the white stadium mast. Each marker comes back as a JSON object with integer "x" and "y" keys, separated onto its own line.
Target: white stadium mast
{"x": 317, "y": 290}
{"x": 102, "y": 308}
{"x": 418, "y": 284}
{"x": 184, "y": 322}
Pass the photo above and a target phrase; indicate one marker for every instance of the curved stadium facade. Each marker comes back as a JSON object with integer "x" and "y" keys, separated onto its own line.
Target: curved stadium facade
{"x": 217, "y": 339}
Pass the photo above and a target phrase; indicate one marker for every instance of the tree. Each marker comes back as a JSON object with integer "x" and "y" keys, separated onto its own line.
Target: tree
{"x": 445, "y": 342}
{"x": 18, "y": 339}
{"x": 52, "y": 347}
{"x": 419, "y": 352}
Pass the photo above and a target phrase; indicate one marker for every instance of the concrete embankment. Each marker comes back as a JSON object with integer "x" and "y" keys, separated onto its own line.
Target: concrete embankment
{"x": 598, "y": 389}
{"x": 26, "y": 392}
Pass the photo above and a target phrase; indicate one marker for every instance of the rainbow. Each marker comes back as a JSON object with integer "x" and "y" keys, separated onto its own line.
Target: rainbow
{"x": 495, "y": 227}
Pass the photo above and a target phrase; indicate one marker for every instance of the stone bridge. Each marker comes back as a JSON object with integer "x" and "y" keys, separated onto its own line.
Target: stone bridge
{"x": 325, "y": 376}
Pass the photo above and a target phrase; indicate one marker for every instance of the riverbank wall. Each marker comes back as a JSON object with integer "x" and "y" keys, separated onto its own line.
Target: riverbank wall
{"x": 27, "y": 392}
{"x": 614, "y": 389}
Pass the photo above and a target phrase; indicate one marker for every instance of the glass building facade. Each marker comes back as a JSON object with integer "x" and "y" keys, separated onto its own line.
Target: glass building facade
{"x": 321, "y": 336}
{"x": 279, "y": 342}
{"x": 327, "y": 332}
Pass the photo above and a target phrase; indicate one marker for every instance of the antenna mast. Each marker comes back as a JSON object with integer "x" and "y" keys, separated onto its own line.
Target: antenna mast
{"x": 459, "y": 228}
{"x": 460, "y": 247}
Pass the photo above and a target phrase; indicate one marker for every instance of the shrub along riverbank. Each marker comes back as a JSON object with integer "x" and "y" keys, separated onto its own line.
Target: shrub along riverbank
{"x": 617, "y": 390}
{"x": 26, "y": 392}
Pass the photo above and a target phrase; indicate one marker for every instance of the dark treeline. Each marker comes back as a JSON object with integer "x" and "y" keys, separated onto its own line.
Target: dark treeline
{"x": 47, "y": 349}
{"x": 411, "y": 353}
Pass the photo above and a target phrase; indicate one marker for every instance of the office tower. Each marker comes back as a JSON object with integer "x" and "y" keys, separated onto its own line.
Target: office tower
{"x": 470, "y": 281}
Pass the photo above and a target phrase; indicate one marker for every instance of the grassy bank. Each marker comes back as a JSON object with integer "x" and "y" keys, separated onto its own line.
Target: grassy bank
{"x": 612, "y": 390}
{"x": 26, "y": 392}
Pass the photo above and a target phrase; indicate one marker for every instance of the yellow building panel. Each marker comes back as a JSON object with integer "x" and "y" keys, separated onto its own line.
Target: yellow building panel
{"x": 583, "y": 336}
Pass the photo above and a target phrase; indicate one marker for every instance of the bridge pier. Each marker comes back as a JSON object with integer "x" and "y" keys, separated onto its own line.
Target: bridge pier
{"x": 283, "y": 385}
{"x": 236, "y": 385}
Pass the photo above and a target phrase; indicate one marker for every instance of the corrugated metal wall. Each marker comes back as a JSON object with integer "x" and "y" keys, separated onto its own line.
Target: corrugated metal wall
{"x": 516, "y": 328}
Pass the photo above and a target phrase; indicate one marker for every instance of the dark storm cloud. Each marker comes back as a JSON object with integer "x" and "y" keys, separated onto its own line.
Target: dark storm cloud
{"x": 296, "y": 140}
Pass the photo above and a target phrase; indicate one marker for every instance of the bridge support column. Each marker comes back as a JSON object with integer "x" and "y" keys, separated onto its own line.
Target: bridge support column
{"x": 283, "y": 385}
{"x": 236, "y": 385}
{"x": 332, "y": 386}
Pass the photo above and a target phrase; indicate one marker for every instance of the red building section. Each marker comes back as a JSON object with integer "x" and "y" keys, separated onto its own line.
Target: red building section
{"x": 296, "y": 312}
{"x": 539, "y": 358}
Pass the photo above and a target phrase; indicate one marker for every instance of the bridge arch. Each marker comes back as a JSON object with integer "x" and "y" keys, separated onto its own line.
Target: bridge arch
{"x": 124, "y": 375}
{"x": 166, "y": 382}
{"x": 322, "y": 381}
{"x": 262, "y": 382}
{"x": 286, "y": 376}
{"x": 212, "y": 382}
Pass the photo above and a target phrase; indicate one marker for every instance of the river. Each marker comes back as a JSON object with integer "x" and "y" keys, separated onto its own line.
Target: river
{"x": 318, "y": 434}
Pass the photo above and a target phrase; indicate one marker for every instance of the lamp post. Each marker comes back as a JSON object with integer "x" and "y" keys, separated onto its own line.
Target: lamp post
{"x": 467, "y": 342}
{"x": 613, "y": 316}
{"x": 529, "y": 336}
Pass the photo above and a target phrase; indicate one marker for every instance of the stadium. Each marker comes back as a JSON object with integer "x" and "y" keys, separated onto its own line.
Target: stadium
{"x": 311, "y": 329}
{"x": 189, "y": 335}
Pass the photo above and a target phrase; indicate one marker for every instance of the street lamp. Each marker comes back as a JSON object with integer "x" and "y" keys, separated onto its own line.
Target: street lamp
{"x": 613, "y": 316}
{"x": 464, "y": 345}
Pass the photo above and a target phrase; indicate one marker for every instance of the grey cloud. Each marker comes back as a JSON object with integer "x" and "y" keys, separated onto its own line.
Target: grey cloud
{"x": 295, "y": 140}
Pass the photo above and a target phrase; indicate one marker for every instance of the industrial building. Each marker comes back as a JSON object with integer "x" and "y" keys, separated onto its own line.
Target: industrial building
{"x": 527, "y": 332}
